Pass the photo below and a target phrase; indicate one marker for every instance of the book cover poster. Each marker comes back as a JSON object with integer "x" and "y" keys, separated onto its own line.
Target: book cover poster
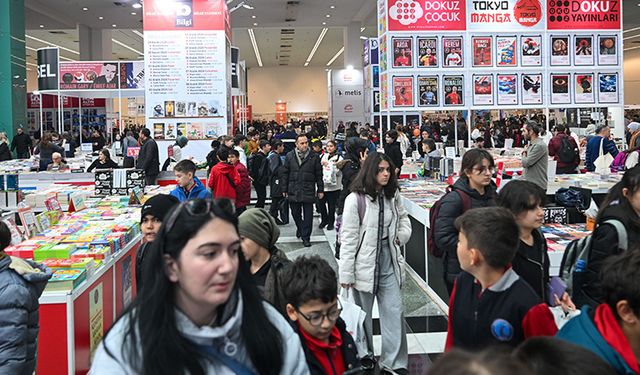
{"x": 560, "y": 51}
{"x": 402, "y": 91}
{"x": 158, "y": 130}
{"x": 170, "y": 131}
{"x": 402, "y": 52}
{"x": 583, "y": 87}
{"x": 482, "y": 53}
{"x": 507, "y": 89}
{"x": 608, "y": 88}
{"x": 532, "y": 89}
{"x": 560, "y": 89}
{"x": 453, "y": 90}
{"x": 608, "y": 50}
{"x": 506, "y": 54}
{"x": 427, "y": 52}
{"x": 428, "y": 91}
{"x": 531, "y": 50}
{"x": 482, "y": 89}
{"x": 452, "y": 52}
{"x": 583, "y": 50}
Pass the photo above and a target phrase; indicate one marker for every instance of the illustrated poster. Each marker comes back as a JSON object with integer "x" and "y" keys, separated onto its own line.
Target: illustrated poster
{"x": 560, "y": 89}
{"x": 532, "y": 89}
{"x": 482, "y": 53}
{"x": 531, "y": 50}
{"x": 427, "y": 52}
{"x": 506, "y": 54}
{"x": 608, "y": 51}
{"x": 428, "y": 91}
{"x": 583, "y": 50}
{"x": 507, "y": 89}
{"x": 96, "y": 318}
{"x": 403, "y": 91}
{"x": 89, "y": 75}
{"x": 482, "y": 89}
{"x": 608, "y": 88}
{"x": 452, "y": 55}
{"x": 583, "y": 86}
{"x": 453, "y": 90}
{"x": 560, "y": 51}
{"x": 402, "y": 52}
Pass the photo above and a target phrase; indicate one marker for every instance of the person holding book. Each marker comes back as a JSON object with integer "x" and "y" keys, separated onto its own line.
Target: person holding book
{"x": 21, "y": 284}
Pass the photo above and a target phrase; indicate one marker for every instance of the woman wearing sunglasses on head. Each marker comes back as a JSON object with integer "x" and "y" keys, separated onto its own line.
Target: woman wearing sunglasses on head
{"x": 198, "y": 311}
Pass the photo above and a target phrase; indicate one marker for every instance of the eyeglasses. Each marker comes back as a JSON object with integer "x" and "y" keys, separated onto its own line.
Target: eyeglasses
{"x": 481, "y": 170}
{"x": 316, "y": 319}
{"x": 194, "y": 207}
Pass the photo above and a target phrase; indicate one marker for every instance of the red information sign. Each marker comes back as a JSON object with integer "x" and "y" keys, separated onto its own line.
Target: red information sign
{"x": 414, "y": 15}
{"x": 185, "y": 15}
{"x": 584, "y": 15}
{"x": 133, "y": 152}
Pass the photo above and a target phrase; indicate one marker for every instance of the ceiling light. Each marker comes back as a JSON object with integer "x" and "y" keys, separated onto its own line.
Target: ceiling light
{"x": 255, "y": 24}
{"x": 85, "y": 9}
{"x": 100, "y": 18}
{"x": 133, "y": 13}
{"x": 333, "y": 7}
{"x": 324, "y": 23}
{"x": 253, "y": 16}
{"x": 335, "y": 56}
{"x": 315, "y": 47}
{"x": 42, "y": 26}
{"x": 51, "y": 44}
{"x": 349, "y": 67}
{"x": 247, "y": 6}
{"x": 138, "y": 33}
{"x": 363, "y": 37}
{"x": 126, "y": 46}
{"x": 362, "y": 29}
{"x": 137, "y": 5}
{"x": 328, "y": 16}
{"x": 255, "y": 46}
{"x": 114, "y": 25}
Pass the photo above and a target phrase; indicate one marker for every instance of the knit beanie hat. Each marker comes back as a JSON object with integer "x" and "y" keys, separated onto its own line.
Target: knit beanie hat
{"x": 158, "y": 206}
{"x": 633, "y": 126}
{"x": 259, "y": 226}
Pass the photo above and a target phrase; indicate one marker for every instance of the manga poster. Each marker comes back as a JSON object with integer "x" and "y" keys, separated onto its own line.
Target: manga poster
{"x": 560, "y": 51}
{"x": 583, "y": 88}
{"x": 560, "y": 89}
{"x": 402, "y": 91}
{"x": 507, "y": 89}
{"x": 531, "y": 88}
{"x": 608, "y": 88}
{"x": 453, "y": 90}
{"x": 506, "y": 54}
{"x": 482, "y": 53}
{"x": 531, "y": 50}
{"x": 427, "y": 52}
{"x": 452, "y": 55}
{"x": 428, "y": 91}
{"x": 483, "y": 89}
{"x": 402, "y": 52}
{"x": 608, "y": 51}
{"x": 583, "y": 50}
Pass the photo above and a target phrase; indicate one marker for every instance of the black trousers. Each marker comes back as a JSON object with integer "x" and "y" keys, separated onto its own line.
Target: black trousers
{"x": 261, "y": 191}
{"x": 277, "y": 210}
{"x": 303, "y": 224}
{"x": 328, "y": 207}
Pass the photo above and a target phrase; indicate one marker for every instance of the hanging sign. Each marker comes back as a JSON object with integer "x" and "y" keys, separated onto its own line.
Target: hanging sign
{"x": 584, "y": 15}
{"x": 47, "y": 68}
{"x": 505, "y": 15}
{"x": 412, "y": 15}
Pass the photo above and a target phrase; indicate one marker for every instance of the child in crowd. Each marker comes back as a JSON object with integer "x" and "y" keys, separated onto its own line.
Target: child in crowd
{"x": 460, "y": 362}
{"x": 490, "y": 304}
{"x": 428, "y": 147}
{"x": 224, "y": 177}
{"x": 311, "y": 293}
{"x": 188, "y": 185}
{"x": 243, "y": 189}
{"x": 316, "y": 147}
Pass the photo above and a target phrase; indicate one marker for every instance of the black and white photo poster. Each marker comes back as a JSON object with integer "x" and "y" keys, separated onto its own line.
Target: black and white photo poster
{"x": 531, "y": 88}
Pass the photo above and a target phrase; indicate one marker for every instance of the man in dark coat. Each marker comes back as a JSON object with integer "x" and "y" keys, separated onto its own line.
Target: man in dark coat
{"x": 148, "y": 158}
{"x": 301, "y": 173}
{"x": 21, "y": 143}
{"x": 278, "y": 209}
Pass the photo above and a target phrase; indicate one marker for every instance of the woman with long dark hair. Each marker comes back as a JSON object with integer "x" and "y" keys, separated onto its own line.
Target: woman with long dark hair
{"x": 374, "y": 227}
{"x": 392, "y": 148}
{"x": 198, "y": 311}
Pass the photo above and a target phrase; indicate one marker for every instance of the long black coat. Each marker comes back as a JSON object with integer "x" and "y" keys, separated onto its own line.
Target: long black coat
{"x": 300, "y": 180}
{"x": 5, "y": 154}
{"x": 275, "y": 175}
{"x": 148, "y": 159}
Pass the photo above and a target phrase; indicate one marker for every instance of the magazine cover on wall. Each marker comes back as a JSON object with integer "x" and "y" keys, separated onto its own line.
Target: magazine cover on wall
{"x": 375, "y": 70}
{"x": 452, "y": 56}
{"x": 583, "y": 88}
{"x": 453, "y": 90}
{"x": 376, "y": 101}
{"x": 482, "y": 52}
{"x": 531, "y": 89}
{"x": 427, "y": 52}
{"x": 483, "y": 89}
{"x": 531, "y": 50}
{"x": 560, "y": 50}
{"x": 608, "y": 51}
{"x": 608, "y": 88}
{"x": 560, "y": 89}
{"x": 506, "y": 54}
{"x": 583, "y": 50}
{"x": 402, "y": 91}
{"x": 428, "y": 91}
{"x": 402, "y": 52}
{"x": 507, "y": 89}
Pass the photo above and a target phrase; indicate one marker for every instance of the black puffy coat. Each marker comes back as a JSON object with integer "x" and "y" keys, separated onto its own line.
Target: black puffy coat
{"x": 300, "y": 180}
{"x": 446, "y": 235}
{"x": 275, "y": 173}
{"x": 395, "y": 154}
{"x": 532, "y": 264}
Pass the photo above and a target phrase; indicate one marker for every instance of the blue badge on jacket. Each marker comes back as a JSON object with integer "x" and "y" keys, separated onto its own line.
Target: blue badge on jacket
{"x": 502, "y": 330}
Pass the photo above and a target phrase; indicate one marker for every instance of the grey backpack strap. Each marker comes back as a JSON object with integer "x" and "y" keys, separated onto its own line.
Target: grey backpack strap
{"x": 623, "y": 240}
{"x": 362, "y": 206}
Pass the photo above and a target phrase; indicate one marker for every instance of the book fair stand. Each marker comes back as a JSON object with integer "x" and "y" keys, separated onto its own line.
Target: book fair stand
{"x": 460, "y": 56}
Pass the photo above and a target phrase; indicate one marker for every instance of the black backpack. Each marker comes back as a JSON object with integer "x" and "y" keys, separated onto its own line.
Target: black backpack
{"x": 434, "y": 212}
{"x": 567, "y": 153}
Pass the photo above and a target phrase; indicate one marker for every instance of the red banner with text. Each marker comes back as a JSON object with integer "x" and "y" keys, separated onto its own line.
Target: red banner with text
{"x": 584, "y": 15}
{"x": 281, "y": 113}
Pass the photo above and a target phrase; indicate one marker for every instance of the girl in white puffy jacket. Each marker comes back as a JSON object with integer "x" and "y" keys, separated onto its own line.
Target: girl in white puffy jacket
{"x": 374, "y": 227}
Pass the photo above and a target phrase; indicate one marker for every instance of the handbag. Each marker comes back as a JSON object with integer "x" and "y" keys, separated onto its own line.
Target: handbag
{"x": 353, "y": 317}
{"x": 603, "y": 162}
{"x": 569, "y": 197}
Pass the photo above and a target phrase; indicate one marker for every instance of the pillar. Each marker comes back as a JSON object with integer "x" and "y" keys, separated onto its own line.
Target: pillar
{"x": 13, "y": 72}
{"x": 95, "y": 44}
{"x": 352, "y": 45}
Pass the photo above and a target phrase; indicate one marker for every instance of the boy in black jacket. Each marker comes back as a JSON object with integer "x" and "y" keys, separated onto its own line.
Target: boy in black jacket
{"x": 310, "y": 289}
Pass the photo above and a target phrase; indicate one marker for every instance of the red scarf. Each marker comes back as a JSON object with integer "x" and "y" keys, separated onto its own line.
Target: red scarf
{"x": 329, "y": 355}
{"x": 610, "y": 330}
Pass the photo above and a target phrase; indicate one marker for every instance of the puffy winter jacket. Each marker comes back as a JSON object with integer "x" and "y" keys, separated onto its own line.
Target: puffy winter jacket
{"x": 531, "y": 263}
{"x": 21, "y": 284}
{"x": 359, "y": 251}
{"x": 197, "y": 192}
{"x": 554, "y": 148}
{"x": 446, "y": 235}
{"x": 300, "y": 180}
{"x": 223, "y": 181}
{"x": 275, "y": 172}
{"x": 243, "y": 189}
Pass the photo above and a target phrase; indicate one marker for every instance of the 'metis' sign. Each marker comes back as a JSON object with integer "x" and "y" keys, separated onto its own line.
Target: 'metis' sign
{"x": 584, "y": 15}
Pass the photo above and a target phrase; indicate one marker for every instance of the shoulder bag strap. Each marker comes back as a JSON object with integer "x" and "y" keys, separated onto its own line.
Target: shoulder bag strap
{"x": 235, "y": 366}
{"x": 623, "y": 241}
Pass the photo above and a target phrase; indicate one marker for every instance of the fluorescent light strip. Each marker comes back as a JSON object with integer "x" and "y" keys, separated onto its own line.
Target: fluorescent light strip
{"x": 631, "y": 37}
{"x": 255, "y": 47}
{"x": 628, "y": 30}
{"x": 61, "y": 57}
{"x": 315, "y": 47}
{"x": 51, "y": 44}
{"x": 18, "y": 58}
{"x": 126, "y": 46}
{"x": 336, "y": 56}
{"x": 630, "y": 48}
{"x": 362, "y": 29}
{"x": 138, "y": 33}
{"x": 32, "y": 64}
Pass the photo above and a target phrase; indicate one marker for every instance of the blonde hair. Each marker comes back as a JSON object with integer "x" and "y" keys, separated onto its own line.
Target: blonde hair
{"x": 3, "y": 137}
